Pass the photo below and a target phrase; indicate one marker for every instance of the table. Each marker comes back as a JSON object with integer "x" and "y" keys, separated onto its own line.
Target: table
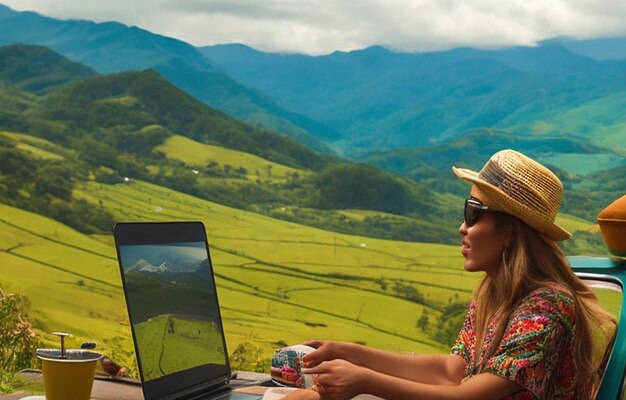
{"x": 115, "y": 389}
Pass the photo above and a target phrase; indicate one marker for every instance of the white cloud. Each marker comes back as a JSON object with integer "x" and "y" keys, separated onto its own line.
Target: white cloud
{"x": 322, "y": 26}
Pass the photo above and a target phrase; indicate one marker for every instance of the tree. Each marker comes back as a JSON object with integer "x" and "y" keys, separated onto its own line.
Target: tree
{"x": 55, "y": 180}
{"x": 17, "y": 337}
{"x": 360, "y": 186}
{"x": 248, "y": 357}
{"x": 423, "y": 322}
{"x": 451, "y": 322}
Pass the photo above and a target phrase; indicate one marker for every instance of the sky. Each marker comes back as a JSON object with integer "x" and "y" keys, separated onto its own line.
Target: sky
{"x": 318, "y": 27}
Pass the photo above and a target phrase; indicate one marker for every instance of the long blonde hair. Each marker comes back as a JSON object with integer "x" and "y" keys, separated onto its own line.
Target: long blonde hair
{"x": 530, "y": 262}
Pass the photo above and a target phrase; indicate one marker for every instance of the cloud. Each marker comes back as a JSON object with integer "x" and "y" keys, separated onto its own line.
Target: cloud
{"x": 322, "y": 26}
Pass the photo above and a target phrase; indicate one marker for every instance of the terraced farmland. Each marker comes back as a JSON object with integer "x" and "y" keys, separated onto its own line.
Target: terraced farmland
{"x": 175, "y": 344}
{"x": 278, "y": 282}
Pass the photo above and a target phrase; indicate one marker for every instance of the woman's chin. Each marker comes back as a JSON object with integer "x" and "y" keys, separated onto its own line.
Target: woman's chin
{"x": 471, "y": 267}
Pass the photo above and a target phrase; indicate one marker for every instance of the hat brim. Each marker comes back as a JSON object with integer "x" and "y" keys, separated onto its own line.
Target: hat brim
{"x": 510, "y": 206}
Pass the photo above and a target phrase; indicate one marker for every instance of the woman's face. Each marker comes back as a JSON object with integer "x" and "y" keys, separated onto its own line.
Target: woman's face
{"x": 482, "y": 244}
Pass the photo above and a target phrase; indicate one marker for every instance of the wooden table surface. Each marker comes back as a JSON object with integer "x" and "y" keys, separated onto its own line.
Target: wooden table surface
{"x": 103, "y": 389}
{"x": 109, "y": 389}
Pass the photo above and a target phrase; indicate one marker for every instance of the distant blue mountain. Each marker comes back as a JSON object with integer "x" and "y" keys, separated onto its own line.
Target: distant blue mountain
{"x": 366, "y": 99}
{"x": 601, "y": 49}
{"x": 114, "y": 47}
{"x": 223, "y": 93}
{"x": 106, "y": 47}
{"x": 383, "y": 99}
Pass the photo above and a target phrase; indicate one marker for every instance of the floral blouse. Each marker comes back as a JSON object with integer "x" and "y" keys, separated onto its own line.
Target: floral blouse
{"x": 536, "y": 350}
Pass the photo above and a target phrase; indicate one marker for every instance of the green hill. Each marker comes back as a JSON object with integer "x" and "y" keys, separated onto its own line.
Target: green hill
{"x": 599, "y": 121}
{"x": 199, "y": 155}
{"x": 291, "y": 231}
{"x": 581, "y": 165}
{"x": 130, "y": 101}
{"x": 137, "y": 125}
{"x": 267, "y": 269}
{"x": 112, "y": 47}
{"x": 38, "y": 69}
{"x": 261, "y": 288}
{"x": 253, "y": 107}
{"x": 379, "y": 98}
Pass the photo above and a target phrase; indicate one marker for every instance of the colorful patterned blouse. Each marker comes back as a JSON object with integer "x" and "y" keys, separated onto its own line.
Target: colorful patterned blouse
{"x": 536, "y": 350}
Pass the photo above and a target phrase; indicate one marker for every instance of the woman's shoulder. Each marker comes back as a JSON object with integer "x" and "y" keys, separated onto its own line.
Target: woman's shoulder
{"x": 552, "y": 292}
{"x": 550, "y": 300}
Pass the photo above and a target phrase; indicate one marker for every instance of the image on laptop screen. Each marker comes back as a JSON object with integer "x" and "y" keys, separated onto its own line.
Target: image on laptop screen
{"x": 173, "y": 307}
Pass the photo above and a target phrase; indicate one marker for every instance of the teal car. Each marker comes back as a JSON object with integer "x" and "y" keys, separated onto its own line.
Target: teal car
{"x": 606, "y": 276}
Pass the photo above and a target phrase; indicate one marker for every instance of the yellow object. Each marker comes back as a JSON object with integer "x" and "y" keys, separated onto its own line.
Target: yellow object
{"x": 69, "y": 376}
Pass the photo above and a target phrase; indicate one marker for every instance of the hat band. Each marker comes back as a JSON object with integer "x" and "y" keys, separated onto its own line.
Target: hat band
{"x": 517, "y": 190}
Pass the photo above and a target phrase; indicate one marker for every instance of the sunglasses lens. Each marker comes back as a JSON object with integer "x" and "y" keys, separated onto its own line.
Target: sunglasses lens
{"x": 470, "y": 214}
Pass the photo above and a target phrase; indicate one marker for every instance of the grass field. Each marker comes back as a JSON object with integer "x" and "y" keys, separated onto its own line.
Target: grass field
{"x": 70, "y": 280}
{"x": 600, "y": 122}
{"x": 582, "y": 164}
{"x": 274, "y": 269}
{"x": 179, "y": 148}
{"x": 36, "y": 147}
{"x": 278, "y": 282}
{"x": 174, "y": 344}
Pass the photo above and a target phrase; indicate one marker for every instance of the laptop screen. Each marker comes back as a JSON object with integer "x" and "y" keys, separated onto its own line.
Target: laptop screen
{"x": 172, "y": 301}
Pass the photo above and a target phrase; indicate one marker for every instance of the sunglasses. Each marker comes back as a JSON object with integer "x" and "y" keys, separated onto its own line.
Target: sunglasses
{"x": 472, "y": 210}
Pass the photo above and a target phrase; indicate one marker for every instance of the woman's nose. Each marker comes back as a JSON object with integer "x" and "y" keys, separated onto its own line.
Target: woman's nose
{"x": 463, "y": 229}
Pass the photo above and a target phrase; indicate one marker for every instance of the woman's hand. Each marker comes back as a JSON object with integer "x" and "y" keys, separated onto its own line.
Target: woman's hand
{"x": 302, "y": 394}
{"x": 338, "y": 379}
{"x": 327, "y": 351}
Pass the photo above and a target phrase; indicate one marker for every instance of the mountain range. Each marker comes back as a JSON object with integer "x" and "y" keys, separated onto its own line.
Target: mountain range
{"x": 375, "y": 98}
{"x": 412, "y": 114}
{"x": 144, "y": 266}
{"x": 113, "y": 47}
{"x": 381, "y": 99}
{"x": 116, "y": 127}
{"x": 167, "y": 268}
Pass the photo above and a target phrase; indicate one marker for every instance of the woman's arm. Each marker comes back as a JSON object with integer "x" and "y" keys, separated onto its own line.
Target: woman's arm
{"x": 339, "y": 379}
{"x": 432, "y": 369}
{"x": 479, "y": 387}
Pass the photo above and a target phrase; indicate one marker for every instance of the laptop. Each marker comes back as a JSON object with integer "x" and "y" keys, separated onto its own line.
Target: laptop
{"x": 174, "y": 312}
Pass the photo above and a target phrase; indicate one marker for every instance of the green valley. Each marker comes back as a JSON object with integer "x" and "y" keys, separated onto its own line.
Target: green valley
{"x": 304, "y": 245}
{"x": 268, "y": 272}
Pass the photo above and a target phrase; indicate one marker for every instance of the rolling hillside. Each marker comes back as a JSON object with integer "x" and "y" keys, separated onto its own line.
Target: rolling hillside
{"x": 266, "y": 269}
{"x": 291, "y": 231}
{"x": 116, "y": 126}
{"x": 38, "y": 69}
{"x": 600, "y": 121}
{"x": 197, "y": 154}
{"x": 279, "y": 283}
{"x": 113, "y": 47}
{"x": 385, "y": 100}
{"x": 134, "y": 100}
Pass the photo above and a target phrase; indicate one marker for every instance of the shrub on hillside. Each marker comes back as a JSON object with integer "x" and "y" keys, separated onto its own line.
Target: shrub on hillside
{"x": 362, "y": 187}
{"x": 17, "y": 338}
{"x": 248, "y": 357}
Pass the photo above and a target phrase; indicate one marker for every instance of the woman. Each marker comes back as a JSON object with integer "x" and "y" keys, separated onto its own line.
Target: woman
{"x": 528, "y": 331}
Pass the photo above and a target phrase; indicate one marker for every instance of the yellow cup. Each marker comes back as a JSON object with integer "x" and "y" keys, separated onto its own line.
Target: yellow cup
{"x": 67, "y": 375}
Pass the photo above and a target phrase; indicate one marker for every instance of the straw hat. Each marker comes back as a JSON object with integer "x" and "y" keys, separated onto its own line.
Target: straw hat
{"x": 520, "y": 186}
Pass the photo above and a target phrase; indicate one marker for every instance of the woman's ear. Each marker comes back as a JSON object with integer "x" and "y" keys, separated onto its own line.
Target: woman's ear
{"x": 508, "y": 235}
